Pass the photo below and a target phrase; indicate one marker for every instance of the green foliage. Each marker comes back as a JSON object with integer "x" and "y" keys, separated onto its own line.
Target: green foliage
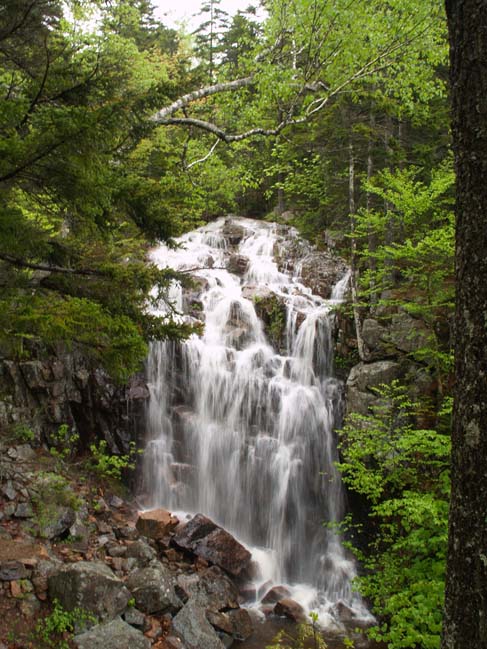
{"x": 50, "y": 492}
{"x": 23, "y": 433}
{"x": 76, "y": 210}
{"x": 273, "y": 312}
{"x": 111, "y": 466}
{"x": 56, "y": 629}
{"x": 64, "y": 443}
{"x": 402, "y": 473}
{"x": 407, "y": 252}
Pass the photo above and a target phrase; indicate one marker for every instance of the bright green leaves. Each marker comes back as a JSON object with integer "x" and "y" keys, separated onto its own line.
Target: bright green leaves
{"x": 410, "y": 263}
{"x": 402, "y": 473}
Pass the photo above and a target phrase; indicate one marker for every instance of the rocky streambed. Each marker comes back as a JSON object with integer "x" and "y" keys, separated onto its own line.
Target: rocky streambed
{"x": 135, "y": 579}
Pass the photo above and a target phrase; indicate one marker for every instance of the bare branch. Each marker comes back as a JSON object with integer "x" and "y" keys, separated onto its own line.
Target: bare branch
{"x": 185, "y": 100}
{"x": 197, "y": 268}
{"x": 205, "y": 158}
{"x": 16, "y": 26}
{"x": 40, "y": 90}
{"x": 226, "y": 137}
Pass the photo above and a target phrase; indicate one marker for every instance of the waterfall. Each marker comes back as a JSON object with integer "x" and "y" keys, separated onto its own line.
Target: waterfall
{"x": 244, "y": 432}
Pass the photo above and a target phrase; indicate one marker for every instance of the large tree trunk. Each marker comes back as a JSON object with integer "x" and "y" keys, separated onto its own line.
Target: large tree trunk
{"x": 465, "y": 625}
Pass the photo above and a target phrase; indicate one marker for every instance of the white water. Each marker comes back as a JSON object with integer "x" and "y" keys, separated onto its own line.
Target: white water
{"x": 243, "y": 433}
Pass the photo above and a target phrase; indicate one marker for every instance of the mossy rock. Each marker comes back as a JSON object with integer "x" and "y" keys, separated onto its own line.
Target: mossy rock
{"x": 273, "y": 313}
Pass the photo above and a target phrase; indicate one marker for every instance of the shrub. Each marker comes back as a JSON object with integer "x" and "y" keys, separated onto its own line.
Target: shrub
{"x": 403, "y": 474}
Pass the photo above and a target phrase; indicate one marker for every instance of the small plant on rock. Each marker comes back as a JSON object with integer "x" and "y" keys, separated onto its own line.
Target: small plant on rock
{"x": 24, "y": 433}
{"x": 64, "y": 443}
{"x": 52, "y": 491}
{"x": 111, "y": 466}
{"x": 56, "y": 629}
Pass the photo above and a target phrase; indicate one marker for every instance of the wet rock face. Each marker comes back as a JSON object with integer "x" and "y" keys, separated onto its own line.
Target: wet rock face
{"x": 116, "y": 634}
{"x": 290, "y": 609}
{"x": 191, "y": 297}
{"x": 90, "y": 586}
{"x": 238, "y": 265}
{"x": 271, "y": 309}
{"x": 289, "y": 251}
{"x": 276, "y": 594}
{"x": 233, "y": 232}
{"x": 207, "y": 540}
{"x": 320, "y": 271}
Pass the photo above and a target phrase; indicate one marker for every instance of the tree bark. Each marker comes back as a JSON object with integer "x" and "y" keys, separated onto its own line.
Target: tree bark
{"x": 465, "y": 623}
{"x": 354, "y": 277}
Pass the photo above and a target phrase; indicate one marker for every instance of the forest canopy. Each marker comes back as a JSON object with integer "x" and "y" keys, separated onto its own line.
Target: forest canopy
{"x": 109, "y": 144}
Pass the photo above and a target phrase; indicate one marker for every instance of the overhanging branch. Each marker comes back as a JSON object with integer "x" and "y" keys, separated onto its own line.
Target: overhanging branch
{"x": 20, "y": 263}
{"x": 201, "y": 93}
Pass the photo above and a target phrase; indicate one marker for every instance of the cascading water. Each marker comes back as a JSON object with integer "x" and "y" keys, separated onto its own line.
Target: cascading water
{"x": 243, "y": 432}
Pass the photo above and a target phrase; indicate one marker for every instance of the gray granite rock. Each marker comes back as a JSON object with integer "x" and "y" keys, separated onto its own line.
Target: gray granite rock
{"x": 90, "y": 586}
{"x": 116, "y": 634}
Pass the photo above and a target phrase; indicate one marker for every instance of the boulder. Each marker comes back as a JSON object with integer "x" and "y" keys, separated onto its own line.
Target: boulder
{"x": 207, "y": 540}
{"x": 195, "y": 630}
{"x": 134, "y": 617}
{"x": 210, "y": 589}
{"x": 90, "y": 586}
{"x": 362, "y": 380}
{"x": 192, "y": 304}
{"x": 116, "y": 634}
{"x": 290, "y": 609}
{"x": 289, "y": 251}
{"x": 373, "y": 335}
{"x": 24, "y": 510}
{"x": 141, "y": 551}
{"x": 153, "y": 589}
{"x": 43, "y": 570}
{"x": 232, "y": 232}
{"x": 238, "y": 264}
{"x": 272, "y": 311}
{"x": 171, "y": 642}
{"x": 12, "y": 570}
{"x": 366, "y": 376}
{"x": 349, "y": 617}
{"x": 320, "y": 272}
{"x": 24, "y": 453}
{"x": 59, "y": 523}
{"x": 255, "y": 293}
{"x": 275, "y": 594}
{"x": 408, "y": 334}
{"x": 156, "y": 523}
{"x": 236, "y": 623}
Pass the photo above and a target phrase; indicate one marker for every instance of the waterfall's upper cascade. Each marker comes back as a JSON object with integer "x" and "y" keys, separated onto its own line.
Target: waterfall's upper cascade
{"x": 241, "y": 430}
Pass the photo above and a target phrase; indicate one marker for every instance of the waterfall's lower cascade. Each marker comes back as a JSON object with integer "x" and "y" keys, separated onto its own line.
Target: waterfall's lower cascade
{"x": 241, "y": 429}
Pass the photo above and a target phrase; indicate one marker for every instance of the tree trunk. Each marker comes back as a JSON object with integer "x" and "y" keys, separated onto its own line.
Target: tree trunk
{"x": 354, "y": 278}
{"x": 372, "y": 238}
{"x": 465, "y": 624}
